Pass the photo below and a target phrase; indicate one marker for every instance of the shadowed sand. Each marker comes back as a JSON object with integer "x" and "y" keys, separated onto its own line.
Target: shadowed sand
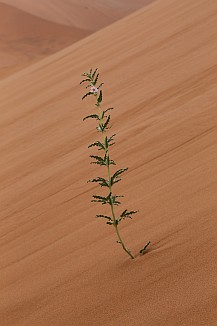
{"x": 25, "y": 38}
{"x": 39, "y": 28}
{"x": 85, "y": 14}
{"x": 61, "y": 266}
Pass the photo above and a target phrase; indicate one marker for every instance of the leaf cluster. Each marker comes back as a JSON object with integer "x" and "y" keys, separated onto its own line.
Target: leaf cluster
{"x": 108, "y": 142}
{"x": 106, "y": 161}
{"x": 127, "y": 214}
{"x": 110, "y": 199}
{"x": 109, "y": 222}
{"x": 116, "y": 176}
{"x": 92, "y": 77}
{"x": 104, "y": 126}
{"x": 101, "y": 181}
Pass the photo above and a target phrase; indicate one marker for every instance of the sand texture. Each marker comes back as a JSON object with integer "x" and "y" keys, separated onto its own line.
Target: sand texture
{"x": 85, "y": 14}
{"x": 31, "y": 30}
{"x": 25, "y": 38}
{"x": 59, "y": 265}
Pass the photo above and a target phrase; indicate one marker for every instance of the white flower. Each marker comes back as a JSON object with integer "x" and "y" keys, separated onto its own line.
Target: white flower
{"x": 94, "y": 90}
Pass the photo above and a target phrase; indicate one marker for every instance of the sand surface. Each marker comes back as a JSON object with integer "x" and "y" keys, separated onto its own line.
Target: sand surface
{"x": 30, "y": 30}
{"x": 85, "y": 14}
{"x": 25, "y": 38}
{"x": 61, "y": 266}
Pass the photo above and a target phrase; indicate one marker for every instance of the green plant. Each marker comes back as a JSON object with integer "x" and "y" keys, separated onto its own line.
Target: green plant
{"x": 103, "y": 119}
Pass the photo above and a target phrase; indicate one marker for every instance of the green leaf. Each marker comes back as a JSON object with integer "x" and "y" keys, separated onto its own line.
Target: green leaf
{"x": 95, "y": 81}
{"x": 100, "y": 85}
{"x": 127, "y": 214}
{"x": 142, "y": 251}
{"x": 99, "y": 160}
{"x": 99, "y": 100}
{"x": 98, "y": 144}
{"x": 101, "y": 199}
{"x": 106, "y": 143}
{"x": 108, "y": 161}
{"x": 105, "y": 125}
{"x": 96, "y": 163}
{"x": 84, "y": 80}
{"x": 111, "y": 162}
{"x": 116, "y": 202}
{"x": 119, "y": 172}
{"x": 89, "y": 85}
{"x": 102, "y": 161}
{"x": 89, "y": 93}
{"x": 104, "y": 112}
{"x": 102, "y": 182}
{"x": 116, "y": 176}
{"x": 92, "y": 116}
{"x": 104, "y": 216}
{"x": 115, "y": 181}
{"x": 94, "y": 73}
{"x": 113, "y": 201}
{"x": 110, "y": 139}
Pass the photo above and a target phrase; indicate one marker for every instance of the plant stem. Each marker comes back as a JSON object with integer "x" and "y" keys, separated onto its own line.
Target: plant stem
{"x": 115, "y": 221}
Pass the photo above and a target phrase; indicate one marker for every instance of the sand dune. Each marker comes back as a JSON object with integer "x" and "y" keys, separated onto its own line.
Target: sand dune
{"x": 31, "y": 30}
{"x": 61, "y": 266}
{"x": 90, "y": 15}
{"x": 25, "y": 38}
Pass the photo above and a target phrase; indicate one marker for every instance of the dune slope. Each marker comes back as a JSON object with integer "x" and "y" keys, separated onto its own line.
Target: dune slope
{"x": 61, "y": 266}
{"x": 25, "y": 38}
{"x": 31, "y": 30}
{"x": 90, "y": 15}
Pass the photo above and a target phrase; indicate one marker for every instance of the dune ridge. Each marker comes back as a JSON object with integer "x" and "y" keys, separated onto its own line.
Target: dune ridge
{"x": 59, "y": 265}
{"x": 31, "y": 30}
{"x": 25, "y": 38}
{"x": 81, "y": 14}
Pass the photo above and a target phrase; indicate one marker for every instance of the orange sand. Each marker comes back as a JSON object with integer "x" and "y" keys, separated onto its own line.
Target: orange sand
{"x": 85, "y": 14}
{"x": 39, "y": 28}
{"x": 25, "y": 38}
{"x": 59, "y": 265}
